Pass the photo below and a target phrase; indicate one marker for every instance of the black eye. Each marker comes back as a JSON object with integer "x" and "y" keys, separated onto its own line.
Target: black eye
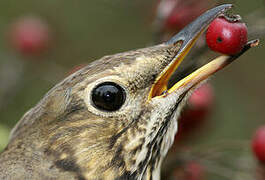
{"x": 108, "y": 96}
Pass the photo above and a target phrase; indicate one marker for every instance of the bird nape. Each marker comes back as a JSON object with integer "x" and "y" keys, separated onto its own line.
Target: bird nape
{"x": 114, "y": 119}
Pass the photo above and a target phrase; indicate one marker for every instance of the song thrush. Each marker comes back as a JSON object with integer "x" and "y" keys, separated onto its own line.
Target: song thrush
{"x": 114, "y": 119}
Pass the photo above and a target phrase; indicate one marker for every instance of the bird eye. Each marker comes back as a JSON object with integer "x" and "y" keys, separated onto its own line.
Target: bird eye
{"x": 108, "y": 96}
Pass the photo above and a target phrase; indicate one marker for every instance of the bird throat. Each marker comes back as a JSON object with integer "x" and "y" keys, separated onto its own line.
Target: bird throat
{"x": 157, "y": 143}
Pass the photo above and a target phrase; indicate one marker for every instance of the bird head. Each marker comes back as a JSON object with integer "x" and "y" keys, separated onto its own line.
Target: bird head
{"x": 117, "y": 117}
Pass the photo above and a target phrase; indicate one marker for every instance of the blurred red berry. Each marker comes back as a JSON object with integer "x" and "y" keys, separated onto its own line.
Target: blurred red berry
{"x": 226, "y": 35}
{"x": 176, "y": 14}
{"x": 183, "y": 15}
{"x": 194, "y": 171}
{"x": 202, "y": 98}
{"x": 30, "y": 35}
{"x": 198, "y": 108}
{"x": 258, "y": 144}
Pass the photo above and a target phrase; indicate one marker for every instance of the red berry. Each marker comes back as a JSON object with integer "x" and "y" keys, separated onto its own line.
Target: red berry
{"x": 194, "y": 171}
{"x": 226, "y": 36}
{"x": 198, "y": 107}
{"x": 202, "y": 98}
{"x": 173, "y": 15}
{"x": 182, "y": 15}
{"x": 30, "y": 35}
{"x": 258, "y": 144}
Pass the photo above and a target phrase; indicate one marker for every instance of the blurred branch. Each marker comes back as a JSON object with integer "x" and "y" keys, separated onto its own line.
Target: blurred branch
{"x": 10, "y": 80}
{"x": 227, "y": 159}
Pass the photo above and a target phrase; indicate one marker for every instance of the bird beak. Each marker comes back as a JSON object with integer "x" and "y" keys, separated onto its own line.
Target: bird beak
{"x": 188, "y": 37}
{"x": 207, "y": 70}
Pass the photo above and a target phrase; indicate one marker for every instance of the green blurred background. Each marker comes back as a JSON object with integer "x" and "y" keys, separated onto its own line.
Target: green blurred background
{"x": 83, "y": 31}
